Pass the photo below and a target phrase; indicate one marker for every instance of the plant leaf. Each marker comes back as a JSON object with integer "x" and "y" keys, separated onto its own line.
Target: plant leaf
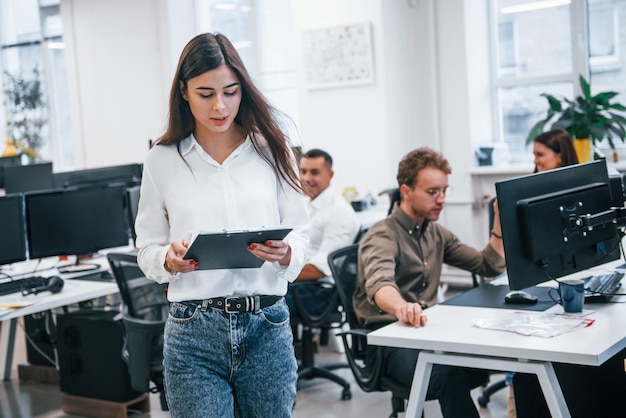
{"x": 586, "y": 89}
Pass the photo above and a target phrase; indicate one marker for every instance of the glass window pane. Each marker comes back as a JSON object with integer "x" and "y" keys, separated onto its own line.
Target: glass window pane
{"x": 527, "y": 42}
{"x": 20, "y": 61}
{"x": 521, "y": 107}
{"x": 602, "y": 29}
{"x": 60, "y": 126}
{"x": 28, "y": 123}
{"x": 52, "y": 25}
{"x": 606, "y": 42}
{"x": 19, "y": 21}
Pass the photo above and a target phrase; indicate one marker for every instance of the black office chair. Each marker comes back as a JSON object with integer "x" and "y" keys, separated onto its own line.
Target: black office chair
{"x": 343, "y": 264}
{"x": 478, "y": 280}
{"x": 394, "y": 197}
{"x": 145, "y": 310}
{"x": 331, "y": 317}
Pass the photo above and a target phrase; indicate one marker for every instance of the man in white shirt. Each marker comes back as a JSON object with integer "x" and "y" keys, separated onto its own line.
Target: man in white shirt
{"x": 333, "y": 225}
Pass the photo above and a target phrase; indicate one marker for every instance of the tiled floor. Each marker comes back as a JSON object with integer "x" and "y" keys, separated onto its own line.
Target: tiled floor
{"x": 316, "y": 398}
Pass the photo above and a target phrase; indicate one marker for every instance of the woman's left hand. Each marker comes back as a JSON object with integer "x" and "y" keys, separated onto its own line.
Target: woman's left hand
{"x": 272, "y": 251}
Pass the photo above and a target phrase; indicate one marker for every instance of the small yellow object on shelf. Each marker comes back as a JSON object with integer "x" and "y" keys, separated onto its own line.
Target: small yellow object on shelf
{"x": 10, "y": 150}
{"x": 28, "y": 150}
{"x": 350, "y": 193}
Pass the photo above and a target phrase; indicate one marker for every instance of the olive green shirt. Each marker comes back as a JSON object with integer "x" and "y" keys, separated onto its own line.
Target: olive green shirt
{"x": 397, "y": 251}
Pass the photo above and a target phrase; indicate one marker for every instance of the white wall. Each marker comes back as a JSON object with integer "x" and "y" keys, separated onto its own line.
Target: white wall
{"x": 116, "y": 54}
{"x": 368, "y": 128}
{"x": 463, "y": 80}
{"x": 348, "y": 122}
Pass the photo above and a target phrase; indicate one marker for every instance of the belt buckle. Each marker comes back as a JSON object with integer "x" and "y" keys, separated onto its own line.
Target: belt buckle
{"x": 227, "y": 302}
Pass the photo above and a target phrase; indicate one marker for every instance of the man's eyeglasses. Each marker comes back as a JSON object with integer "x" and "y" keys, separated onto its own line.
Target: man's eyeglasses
{"x": 435, "y": 193}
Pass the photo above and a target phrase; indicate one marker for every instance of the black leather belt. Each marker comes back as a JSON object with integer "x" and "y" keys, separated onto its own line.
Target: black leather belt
{"x": 239, "y": 304}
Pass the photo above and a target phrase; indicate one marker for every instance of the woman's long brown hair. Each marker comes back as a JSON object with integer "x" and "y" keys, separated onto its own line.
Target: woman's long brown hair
{"x": 256, "y": 116}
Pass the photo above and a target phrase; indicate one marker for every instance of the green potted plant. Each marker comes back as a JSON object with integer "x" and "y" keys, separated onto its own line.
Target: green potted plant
{"x": 27, "y": 111}
{"x": 588, "y": 119}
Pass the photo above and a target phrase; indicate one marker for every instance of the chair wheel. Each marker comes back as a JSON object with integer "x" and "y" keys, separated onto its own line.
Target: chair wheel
{"x": 346, "y": 395}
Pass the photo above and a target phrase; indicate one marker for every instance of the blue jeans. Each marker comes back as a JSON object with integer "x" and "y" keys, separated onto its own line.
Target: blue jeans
{"x": 229, "y": 365}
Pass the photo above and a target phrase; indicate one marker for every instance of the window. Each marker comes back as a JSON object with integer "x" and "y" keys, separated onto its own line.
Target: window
{"x": 603, "y": 36}
{"x": 31, "y": 37}
{"x": 507, "y": 51}
{"x": 542, "y": 47}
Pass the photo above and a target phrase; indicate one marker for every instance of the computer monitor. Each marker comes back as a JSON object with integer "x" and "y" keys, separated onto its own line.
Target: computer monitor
{"x": 128, "y": 175}
{"x": 8, "y": 161}
{"x": 13, "y": 241}
{"x": 75, "y": 221}
{"x": 557, "y": 223}
{"x": 28, "y": 177}
{"x": 132, "y": 201}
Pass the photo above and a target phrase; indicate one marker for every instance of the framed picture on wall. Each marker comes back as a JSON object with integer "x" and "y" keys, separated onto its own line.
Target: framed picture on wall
{"x": 339, "y": 56}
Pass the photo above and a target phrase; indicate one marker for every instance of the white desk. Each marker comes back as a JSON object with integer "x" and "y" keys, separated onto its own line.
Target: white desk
{"x": 74, "y": 291}
{"x": 450, "y": 338}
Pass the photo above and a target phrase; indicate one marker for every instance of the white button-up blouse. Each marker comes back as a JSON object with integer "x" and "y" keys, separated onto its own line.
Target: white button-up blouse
{"x": 184, "y": 191}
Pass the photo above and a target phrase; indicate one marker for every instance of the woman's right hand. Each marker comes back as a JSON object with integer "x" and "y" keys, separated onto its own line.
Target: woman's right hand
{"x": 174, "y": 262}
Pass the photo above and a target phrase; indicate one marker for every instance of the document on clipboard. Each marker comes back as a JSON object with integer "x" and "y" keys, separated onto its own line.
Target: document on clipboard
{"x": 229, "y": 249}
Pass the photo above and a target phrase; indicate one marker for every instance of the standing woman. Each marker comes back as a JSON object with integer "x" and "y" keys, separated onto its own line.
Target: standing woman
{"x": 222, "y": 164}
{"x": 553, "y": 149}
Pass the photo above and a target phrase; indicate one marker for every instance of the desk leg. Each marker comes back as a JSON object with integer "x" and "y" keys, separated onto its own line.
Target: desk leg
{"x": 544, "y": 371}
{"x": 552, "y": 390}
{"x": 8, "y": 347}
{"x": 419, "y": 387}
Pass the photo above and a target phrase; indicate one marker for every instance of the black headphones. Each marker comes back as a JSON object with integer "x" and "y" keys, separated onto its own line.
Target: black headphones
{"x": 54, "y": 285}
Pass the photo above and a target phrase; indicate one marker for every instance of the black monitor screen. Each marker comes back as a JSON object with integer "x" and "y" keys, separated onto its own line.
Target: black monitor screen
{"x": 28, "y": 178}
{"x": 128, "y": 175}
{"x": 75, "y": 221}
{"x": 543, "y": 223}
{"x": 132, "y": 196}
{"x": 8, "y": 161}
{"x": 12, "y": 234}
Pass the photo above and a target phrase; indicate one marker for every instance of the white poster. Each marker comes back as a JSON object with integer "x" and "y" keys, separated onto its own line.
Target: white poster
{"x": 339, "y": 56}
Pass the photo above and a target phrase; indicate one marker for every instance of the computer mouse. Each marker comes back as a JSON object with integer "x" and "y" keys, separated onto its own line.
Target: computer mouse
{"x": 520, "y": 297}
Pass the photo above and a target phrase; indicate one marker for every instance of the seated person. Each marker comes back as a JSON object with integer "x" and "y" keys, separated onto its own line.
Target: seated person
{"x": 400, "y": 263}
{"x": 333, "y": 225}
{"x": 553, "y": 149}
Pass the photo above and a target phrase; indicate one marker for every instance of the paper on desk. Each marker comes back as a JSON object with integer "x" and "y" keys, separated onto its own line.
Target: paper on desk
{"x": 537, "y": 324}
{"x": 8, "y": 306}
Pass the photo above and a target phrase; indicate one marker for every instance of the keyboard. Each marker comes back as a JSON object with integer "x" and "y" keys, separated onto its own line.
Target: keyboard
{"x": 26, "y": 283}
{"x": 98, "y": 276}
{"x": 600, "y": 288}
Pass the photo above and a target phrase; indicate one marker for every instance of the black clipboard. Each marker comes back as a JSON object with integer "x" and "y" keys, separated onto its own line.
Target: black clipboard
{"x": 229, "y": 250}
